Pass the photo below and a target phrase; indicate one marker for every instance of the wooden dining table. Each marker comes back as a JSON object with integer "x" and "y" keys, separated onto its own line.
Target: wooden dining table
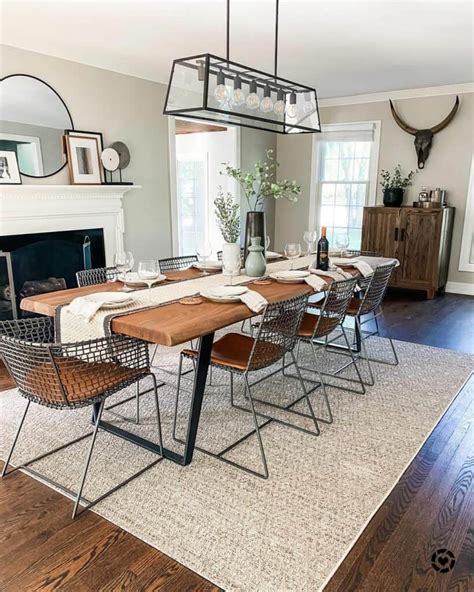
{"x": 172, "y": 324}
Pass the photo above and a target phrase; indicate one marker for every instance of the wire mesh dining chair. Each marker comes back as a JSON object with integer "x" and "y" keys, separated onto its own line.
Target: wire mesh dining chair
{"x": 71, "y": 376}
{"x": 177, "y": 263}
{"x": 371, "y": 304}
{"x": 314, "y": 327}
{"x": 242, "y": 355}
{"x": 99, "y": 275}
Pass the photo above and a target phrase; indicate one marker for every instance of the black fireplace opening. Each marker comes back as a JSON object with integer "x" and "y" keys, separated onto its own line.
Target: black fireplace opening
{"x": 44, "y": 262}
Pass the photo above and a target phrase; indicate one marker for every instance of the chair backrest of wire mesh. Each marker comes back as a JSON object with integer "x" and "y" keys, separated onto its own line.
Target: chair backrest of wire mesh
{"x": 335, "y": 306}
{"x": 68, "y": 375}
{"x": 358, "y": 253}
{"x": 99, "y": 275}
{"x": 277, "y": 332}
{"x": 377, "y": 287}
{"x": 177, "y": 263}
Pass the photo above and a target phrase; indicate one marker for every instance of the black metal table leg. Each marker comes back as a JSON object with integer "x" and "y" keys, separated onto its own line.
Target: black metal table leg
{"x": 200, "y": 378}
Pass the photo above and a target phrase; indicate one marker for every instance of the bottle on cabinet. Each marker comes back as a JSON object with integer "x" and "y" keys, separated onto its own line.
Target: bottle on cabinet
{"x": 322, "y": 261}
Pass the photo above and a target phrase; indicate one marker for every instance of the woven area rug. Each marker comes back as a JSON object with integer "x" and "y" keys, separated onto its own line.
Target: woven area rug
{"x": 288, "y": 533}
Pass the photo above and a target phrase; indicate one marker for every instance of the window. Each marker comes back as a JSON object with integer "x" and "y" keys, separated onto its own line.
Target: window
{"x": 345, "y": 174}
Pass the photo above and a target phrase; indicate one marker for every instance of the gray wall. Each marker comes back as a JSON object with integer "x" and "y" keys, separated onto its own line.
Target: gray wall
{"x": 448, "y": 165}
{"x": 128, "y": 109}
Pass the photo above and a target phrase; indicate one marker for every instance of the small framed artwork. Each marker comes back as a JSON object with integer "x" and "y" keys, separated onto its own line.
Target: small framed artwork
{"x": 83, "y": 160}
{"x": 9, "y": 173}
{"x": 100, "y": 143}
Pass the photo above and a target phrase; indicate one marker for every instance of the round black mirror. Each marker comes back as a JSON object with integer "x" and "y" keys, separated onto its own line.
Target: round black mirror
{"x": 33, "y": 118}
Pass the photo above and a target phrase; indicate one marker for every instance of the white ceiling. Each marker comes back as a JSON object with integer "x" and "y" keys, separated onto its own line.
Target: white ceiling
{"x": 341, "y": 47}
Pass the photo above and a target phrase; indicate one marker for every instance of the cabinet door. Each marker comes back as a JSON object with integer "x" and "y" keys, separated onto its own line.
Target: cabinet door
{"x": 380, "y": 231}
{"x": 420, "y": 239}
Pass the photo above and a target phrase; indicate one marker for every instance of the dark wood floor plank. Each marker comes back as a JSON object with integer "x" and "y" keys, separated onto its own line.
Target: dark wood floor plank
{"x": 462, "y": 576}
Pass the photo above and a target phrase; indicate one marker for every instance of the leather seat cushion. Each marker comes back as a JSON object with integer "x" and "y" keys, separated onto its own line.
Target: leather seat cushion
{"x": 233, "y": 350}
{"x": 309, "y": 322}
{"x": 81, "y": 380}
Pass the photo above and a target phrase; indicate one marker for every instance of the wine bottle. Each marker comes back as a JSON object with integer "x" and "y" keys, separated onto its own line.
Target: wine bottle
{"x": 323, "y": 251}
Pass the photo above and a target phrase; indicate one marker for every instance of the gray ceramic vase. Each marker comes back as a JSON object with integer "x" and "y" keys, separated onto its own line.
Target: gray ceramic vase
{"x": 255, "y": 264}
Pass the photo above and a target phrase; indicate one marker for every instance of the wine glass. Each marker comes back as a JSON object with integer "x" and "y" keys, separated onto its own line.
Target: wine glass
{"x": 123, "y": 261}
{"x": 204, "y": 251}
{"x": 292, "y": 252}
{"x": 342, "y": 242}
{"x": 267, "y": 242}
{"x": 309, "y": 237}
{"x": 148, "y": 272}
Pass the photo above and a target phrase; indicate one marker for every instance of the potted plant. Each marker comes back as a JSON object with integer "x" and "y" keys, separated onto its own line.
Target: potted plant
{"x": 228, "y": 220}
{"x": 257, "y": 186}
{"x": 394, "y": 186}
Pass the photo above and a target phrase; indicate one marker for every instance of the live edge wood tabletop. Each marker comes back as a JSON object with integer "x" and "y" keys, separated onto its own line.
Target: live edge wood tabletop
{"x": 168, "y": 324}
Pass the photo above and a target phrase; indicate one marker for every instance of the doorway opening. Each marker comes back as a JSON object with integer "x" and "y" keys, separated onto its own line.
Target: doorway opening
{"x": 198, "y": 151}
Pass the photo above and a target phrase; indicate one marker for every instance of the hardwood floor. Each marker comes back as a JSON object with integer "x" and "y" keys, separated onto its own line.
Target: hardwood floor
{"x": 432, "y": 506}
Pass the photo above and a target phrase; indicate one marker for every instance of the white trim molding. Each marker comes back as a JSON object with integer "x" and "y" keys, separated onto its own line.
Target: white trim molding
{"x": 460, "y": 288}
{"x": 399, "y": 95}
{"x": 467, "y": 242}
{"x": 28, "y": 209}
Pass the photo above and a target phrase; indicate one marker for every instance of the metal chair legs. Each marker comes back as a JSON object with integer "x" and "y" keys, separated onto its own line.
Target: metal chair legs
{"x": 7, "y": 462}
{"x": 77, "y": 497}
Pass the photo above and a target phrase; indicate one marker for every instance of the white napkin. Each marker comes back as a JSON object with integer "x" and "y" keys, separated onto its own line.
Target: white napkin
{"x": 335, "y": 275}
{"x": 316, "y": 283}
{"x": 364, "y": 268}
{"x": 255, "y": 301}
{"x": 83, "y": 307}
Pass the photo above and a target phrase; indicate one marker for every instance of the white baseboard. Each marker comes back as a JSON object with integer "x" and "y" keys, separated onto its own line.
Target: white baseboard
{"x": 460, "y": 288}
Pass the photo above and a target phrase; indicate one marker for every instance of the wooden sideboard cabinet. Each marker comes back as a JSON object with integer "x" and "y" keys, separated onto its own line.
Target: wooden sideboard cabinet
{"x": 419, "y": 238}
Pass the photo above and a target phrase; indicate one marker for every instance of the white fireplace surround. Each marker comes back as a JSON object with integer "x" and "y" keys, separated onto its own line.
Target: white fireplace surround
{"x": 26, "y": 209}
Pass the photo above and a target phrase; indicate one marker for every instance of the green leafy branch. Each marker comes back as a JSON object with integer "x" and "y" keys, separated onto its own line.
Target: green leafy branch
{"x": 392, "y": 181}
{"x": 260, "y": 183}
{"x": 228, "y": 216}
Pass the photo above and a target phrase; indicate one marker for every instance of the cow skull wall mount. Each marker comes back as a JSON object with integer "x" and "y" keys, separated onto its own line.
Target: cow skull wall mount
{"x": 424, "y": 137}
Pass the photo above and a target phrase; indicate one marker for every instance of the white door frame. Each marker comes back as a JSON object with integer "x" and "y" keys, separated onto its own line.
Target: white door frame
{"x": 173, "y": 188}
{"x": 465, "y": 263}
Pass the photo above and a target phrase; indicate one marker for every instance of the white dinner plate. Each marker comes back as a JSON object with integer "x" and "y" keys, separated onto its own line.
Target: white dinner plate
{"x": 134, "y": 280}
{"x": 111, "y": 299}
{"x": 272, "y": 255}
{"x": 208, "y": 266}
{"x": 292, "y": 276}
{"x": 224, "y": 293}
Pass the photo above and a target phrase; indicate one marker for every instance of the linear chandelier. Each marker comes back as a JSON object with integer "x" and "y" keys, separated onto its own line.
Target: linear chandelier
{"x": 212, "y": 88}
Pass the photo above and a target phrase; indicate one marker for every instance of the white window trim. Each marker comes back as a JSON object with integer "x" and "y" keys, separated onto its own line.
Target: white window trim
{"x": 172, "y": 183}
{"x": 468, "y": 228}
{"x": 376, "y": 126}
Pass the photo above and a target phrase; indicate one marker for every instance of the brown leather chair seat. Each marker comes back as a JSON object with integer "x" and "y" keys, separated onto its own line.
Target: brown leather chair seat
{"x": 354, "y": 307}
{"x": 81, "y": 380}
{"x": 308, "y": 325}
{"x": 233, "y": 350}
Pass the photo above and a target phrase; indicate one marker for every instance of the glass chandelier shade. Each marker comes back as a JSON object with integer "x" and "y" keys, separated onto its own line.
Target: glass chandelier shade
{"x": 198, "y": 90}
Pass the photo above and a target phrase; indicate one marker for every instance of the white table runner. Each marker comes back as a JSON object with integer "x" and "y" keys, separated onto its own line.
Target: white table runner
{"x": 71, "y": 327}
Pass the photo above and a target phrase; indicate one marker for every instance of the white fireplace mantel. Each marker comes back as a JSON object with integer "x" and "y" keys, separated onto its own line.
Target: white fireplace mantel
{"x": 26, "y": 209}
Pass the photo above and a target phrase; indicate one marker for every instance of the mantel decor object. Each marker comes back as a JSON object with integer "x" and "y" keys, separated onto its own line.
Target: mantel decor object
{"x": 115, "y": 157}
{"x": 214, "y": 88}
{"x": 83, "y": 160}
{"x": 9, "y": 173}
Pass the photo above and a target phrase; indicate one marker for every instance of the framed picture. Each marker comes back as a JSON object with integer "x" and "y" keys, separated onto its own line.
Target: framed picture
{"x": 83, "y": 160}
{"x": 100, "y": 143}
{"x": 9, "y": 173}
